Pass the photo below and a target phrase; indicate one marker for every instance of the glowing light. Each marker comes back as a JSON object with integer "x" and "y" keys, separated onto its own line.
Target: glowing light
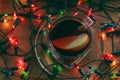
{"x": 80, "y": 2}
{"x": 90, "y": 11}
{"x": 76, "y": 14}
{"x": 54, "y": 66}
{"x": 13, "y": 41}
{"x": 49, "y": 25}
{"x": 48, "y": 51}
{"x": 16, "y": 43}
{"x": 110, "y": 29}
{"x": 60, "y": 68}
{"x": 113, "y": 75}
{"x": 49, "y": 15}
{"x": 32, "y": 5}
{"x": 62, "y": 12}
{"x": 113, "y": 63}
{"x": 77, "y": 66}
{"x": 103, "y": 35}
{"x": 13, "y": 26}
{"x": 22, "y": 19}
{"x": 5, "y": 21}
{"x": 6, "y": 25}
{"x": 14, "y": 14}
{"x": 21, "y": 64}
{"x": 6, "y": 15}
{"x": 24, "y": 73}
{"x": 108, "y": 56}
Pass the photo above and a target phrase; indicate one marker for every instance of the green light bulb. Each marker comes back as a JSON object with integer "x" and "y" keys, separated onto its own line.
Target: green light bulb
{"x": 62, "y": 12}
{"x": 60, "y": 68}
{"x": 24, "y": 73}
{"x": 48, "y": 51}
{"x": 54, "y": 66}
{"x": 6, "y": 14}
{"x": 113, "y": 75}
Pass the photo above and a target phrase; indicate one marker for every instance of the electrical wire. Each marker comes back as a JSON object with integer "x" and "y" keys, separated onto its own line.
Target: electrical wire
{"x": 19, "y": 7}
{"x": 4, "y": 60}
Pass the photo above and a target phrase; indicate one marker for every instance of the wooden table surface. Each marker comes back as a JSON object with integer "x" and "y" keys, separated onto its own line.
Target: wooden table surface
{"x": 23, "y": 33}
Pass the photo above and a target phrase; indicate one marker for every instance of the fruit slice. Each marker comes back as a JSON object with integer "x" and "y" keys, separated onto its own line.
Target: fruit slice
{"x": 72, "y": 43}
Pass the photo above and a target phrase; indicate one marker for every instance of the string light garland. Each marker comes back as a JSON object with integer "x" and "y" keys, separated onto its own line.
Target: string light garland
{"x": 56, "y": 69}
{"x": 9, "y": 71}
{"x": 53, "y": 12}
{"x": 55, "y": 72}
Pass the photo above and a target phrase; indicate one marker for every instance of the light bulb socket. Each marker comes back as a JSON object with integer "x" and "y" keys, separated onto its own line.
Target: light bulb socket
{"x": 55, "y": 71}
{"x": 1, "y": 15}
{"x": 13, "y": 68}
{"x": 109, "y": 33}
{"x": 9, "y": 71}
{"x": 27, "y": 58}
{"x": 4, "y": 48}
{"x": 116, "y": 52}
{"x": 81, "y": 72}
{"x": 3, "y": 42}
{"x": 95, "y": 71}
{"x": 16, "y": 50}
{"x": 43, "y": 46}
{"x": 16, "y": 22}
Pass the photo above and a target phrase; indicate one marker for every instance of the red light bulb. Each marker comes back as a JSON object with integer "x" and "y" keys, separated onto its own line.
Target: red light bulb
{"x": 80, "y": 2}
{"x": 90, "y": 11}
{"x": 20, "y": 61}
{"x": 32, "y": 5}
{"x": 14, "y": 14}
{"x": 13, "y": 41}
{"x": 76, "y": 14}
{"x": 16, "y": 43}
{"x": 110, "y": 29}
{"x": 108, "y": 56}
{"x": 21, "y": 64}
{"x": 13, "y": 27}
{"x": 22, "y": 19}
{"x": 77, "y": 66}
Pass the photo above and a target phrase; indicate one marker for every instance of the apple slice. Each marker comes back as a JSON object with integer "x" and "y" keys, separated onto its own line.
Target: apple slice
{"x": 72, "y": 43}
